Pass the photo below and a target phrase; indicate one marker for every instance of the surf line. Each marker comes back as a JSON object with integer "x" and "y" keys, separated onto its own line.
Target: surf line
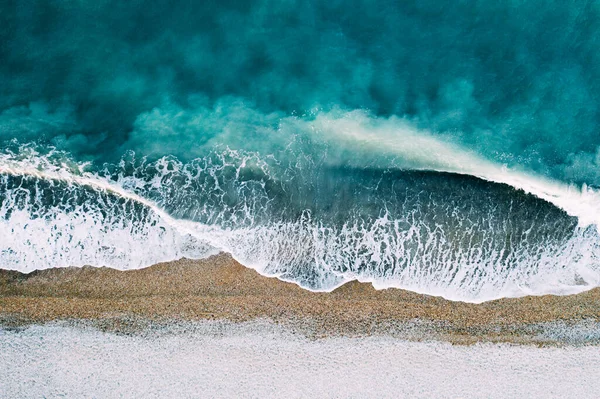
{"x": 583, "y": 204}
{"x": 214, "y": 236}
{"x": 96, "y": 183}
{"x": 419, "y": 150}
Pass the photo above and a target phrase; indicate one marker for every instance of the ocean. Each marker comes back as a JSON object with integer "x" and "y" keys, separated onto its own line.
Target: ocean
{"x": 450, "y": 148}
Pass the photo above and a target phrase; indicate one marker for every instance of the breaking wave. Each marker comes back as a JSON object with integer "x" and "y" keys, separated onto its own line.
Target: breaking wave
{"x": 474, "y": 238}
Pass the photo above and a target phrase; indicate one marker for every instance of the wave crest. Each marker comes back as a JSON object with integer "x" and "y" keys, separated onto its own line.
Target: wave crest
{"x": 430, "y": 232}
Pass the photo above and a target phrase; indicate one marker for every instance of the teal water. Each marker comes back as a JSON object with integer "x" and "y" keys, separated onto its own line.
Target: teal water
{"x": 447, "y": 147}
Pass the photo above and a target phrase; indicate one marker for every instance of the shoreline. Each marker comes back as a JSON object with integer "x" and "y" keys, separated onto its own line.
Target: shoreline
{"x": 219, "y": 288}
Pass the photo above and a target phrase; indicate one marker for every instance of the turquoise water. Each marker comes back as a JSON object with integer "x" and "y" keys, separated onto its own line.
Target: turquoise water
{"x": 450, "y": 148}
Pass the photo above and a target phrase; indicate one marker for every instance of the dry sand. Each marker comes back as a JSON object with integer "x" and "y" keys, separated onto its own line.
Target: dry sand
{"x": 220, "y": 288}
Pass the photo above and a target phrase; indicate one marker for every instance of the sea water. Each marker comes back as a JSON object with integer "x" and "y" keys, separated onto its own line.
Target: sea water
{"x": 449, "y": 148}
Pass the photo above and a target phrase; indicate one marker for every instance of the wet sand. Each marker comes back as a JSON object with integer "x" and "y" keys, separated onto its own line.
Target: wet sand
{"x": 219, "y": 288}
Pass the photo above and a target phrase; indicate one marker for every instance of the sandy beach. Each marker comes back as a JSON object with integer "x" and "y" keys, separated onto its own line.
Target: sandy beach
{"x": 219, "y": 288}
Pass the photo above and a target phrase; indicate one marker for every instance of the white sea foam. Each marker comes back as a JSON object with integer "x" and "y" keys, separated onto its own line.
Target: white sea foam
{"x": 83, "y": 235}
{"x": 419, "y": 150}
{"x": 112, "y": 233}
